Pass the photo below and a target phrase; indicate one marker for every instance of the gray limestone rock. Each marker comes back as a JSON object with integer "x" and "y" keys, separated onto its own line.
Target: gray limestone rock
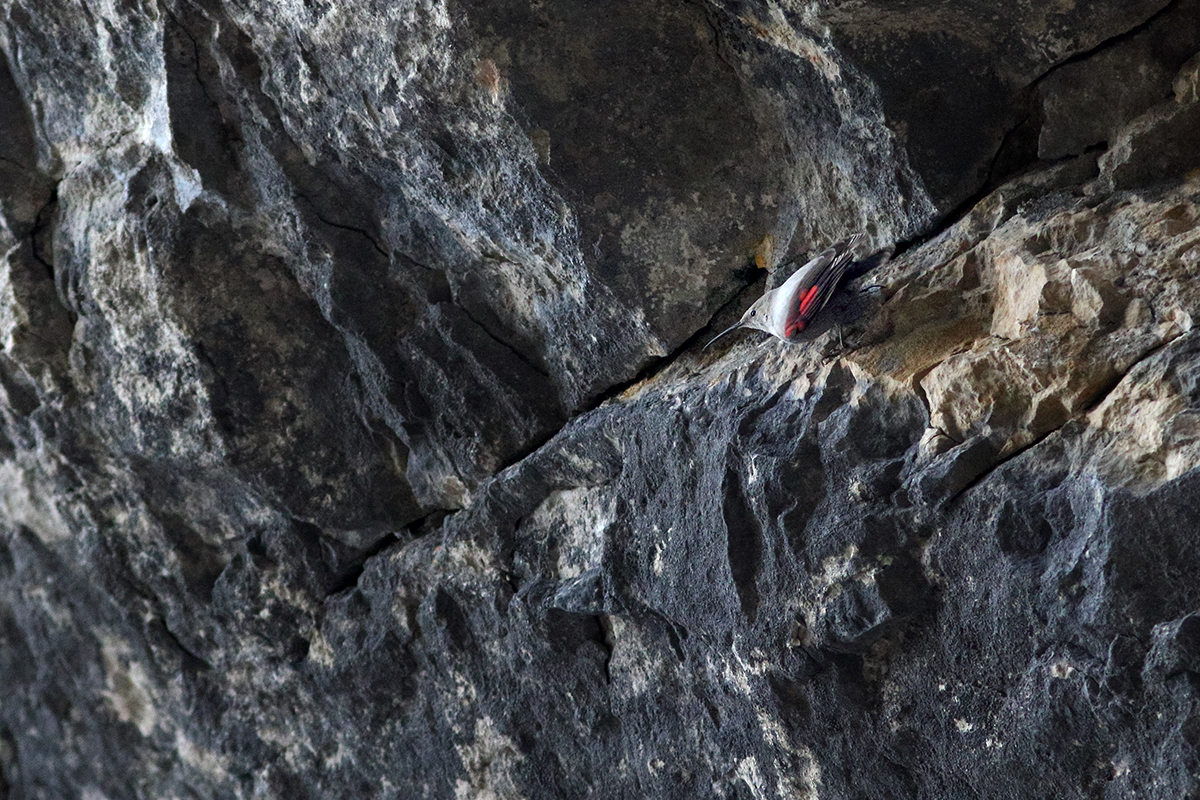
{"x": 1085, "y": 101}
{"x": 356, "y": 437}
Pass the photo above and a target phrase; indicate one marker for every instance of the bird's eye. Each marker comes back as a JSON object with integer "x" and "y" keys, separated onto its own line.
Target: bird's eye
{"x": 753, "y": 312}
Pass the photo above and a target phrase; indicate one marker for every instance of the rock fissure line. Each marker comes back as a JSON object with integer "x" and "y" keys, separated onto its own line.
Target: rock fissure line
{"x": 963, "y": 210}
{"x": 648, "y": 372}
{"x": 524, "y": 359}
{"x": 417, "y": 529}
{"x": 708, "y": 9}
{"x": 1083, "y": 412}
{"x": 1120, "y": 377}
{"x": 354, "y": 570}
{"x": 1112, "y": 41}
{"x": 982, "y": 476}
{"x": 994, "y": 181}
{"x": 187, "y": 652}
{"x": 195, "y": 56}
{"x": 43, "y": 222}
{"x": 350, "y": 228}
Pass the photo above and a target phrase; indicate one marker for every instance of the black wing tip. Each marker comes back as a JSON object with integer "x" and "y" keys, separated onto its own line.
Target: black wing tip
{"x": 837, "y": 253}
{"x": 870, "y": 263}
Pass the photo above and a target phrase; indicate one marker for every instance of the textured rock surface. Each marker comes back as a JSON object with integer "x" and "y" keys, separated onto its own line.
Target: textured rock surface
{"x": 356, "y": 440}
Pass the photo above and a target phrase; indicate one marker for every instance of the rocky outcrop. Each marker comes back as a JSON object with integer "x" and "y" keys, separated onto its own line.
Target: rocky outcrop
{"x": 358, "y": 441}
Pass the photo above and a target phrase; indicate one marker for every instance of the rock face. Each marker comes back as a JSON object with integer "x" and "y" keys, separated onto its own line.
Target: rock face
{"x": 356, "y": 439}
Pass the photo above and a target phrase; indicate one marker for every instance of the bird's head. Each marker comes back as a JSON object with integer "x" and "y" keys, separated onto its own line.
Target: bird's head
{"x": 757, "y": 316}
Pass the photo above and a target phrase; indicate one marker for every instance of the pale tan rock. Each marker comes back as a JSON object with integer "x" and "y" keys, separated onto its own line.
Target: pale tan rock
{"x": 980, "y": 393}
{"x": 1022, "y": 328}
{"x": 1137, "y": 314}
{"x": 1019, "y": 288}
{"x": 1145, "y": 431}
{"x": 935, "y": 442}
{"x": 1094, "y": 298}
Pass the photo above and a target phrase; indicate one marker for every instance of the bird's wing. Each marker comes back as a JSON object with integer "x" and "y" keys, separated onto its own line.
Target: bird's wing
{"x": 824, "y": 274}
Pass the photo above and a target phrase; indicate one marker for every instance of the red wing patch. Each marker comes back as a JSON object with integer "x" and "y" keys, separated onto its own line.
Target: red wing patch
{"x": 817, "y": 295}
{"x": 809, "y": 301}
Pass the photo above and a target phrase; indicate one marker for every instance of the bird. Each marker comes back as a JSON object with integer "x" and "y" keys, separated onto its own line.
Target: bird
{"x": 787, "y": 310}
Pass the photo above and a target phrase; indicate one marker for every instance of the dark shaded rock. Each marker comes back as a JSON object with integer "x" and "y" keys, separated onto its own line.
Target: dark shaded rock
{"x": 1086, "y": 101}
{"x": 1175, "y": 649}
{"x": 581, "y": 595}
{"x": 954, "y": 471}
{"x": 953, "y": 82}
{"x": 1159, "y": 146}
{"x": 868, "y": 610}
{"x": 640, "y": 121}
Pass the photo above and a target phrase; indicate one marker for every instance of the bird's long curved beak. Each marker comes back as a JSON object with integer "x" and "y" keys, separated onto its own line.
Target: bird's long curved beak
{"x": 732, "y": 327}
